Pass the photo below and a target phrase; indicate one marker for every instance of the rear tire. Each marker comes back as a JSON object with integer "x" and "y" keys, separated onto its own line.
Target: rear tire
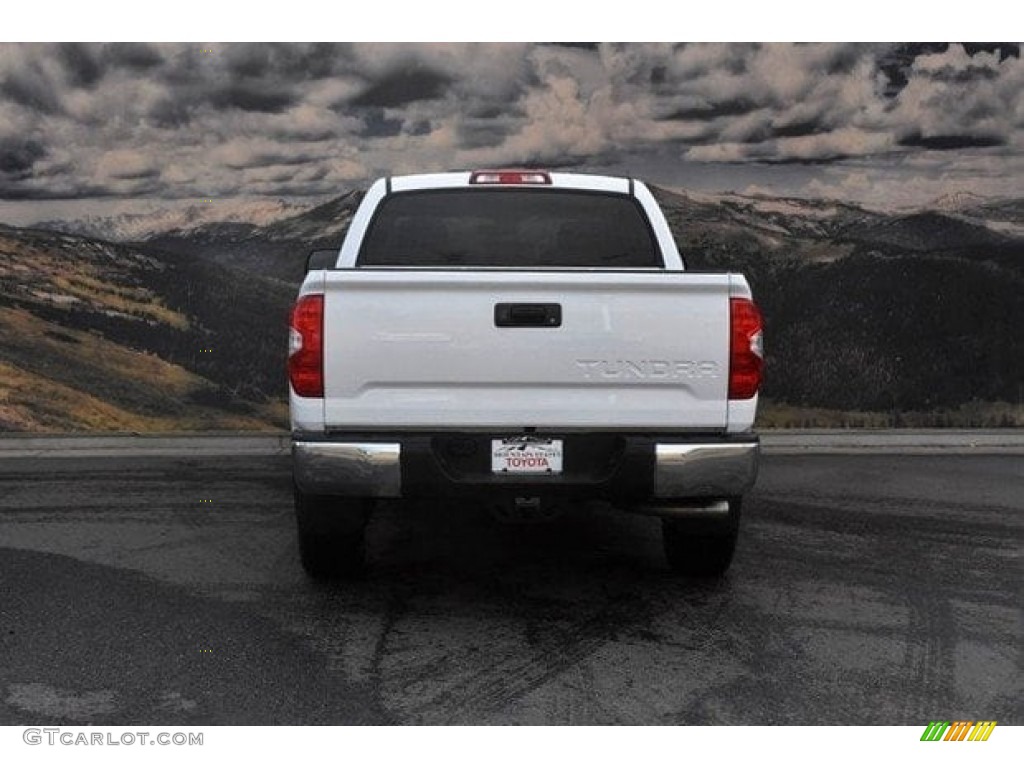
{"x": 701, "y": 548}
{"x": 332, "y": 534}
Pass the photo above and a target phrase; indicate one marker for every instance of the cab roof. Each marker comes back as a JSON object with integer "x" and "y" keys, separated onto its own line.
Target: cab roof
{"x": 504, "y": 178}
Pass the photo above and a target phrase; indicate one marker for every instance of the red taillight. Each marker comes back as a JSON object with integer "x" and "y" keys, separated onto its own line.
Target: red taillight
{"x": 305, "y": 346}
{"x": 510, "y": 177}
{"x": 746, "y": 351}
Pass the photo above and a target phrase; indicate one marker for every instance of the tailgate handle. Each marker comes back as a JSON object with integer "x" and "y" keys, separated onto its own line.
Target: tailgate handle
{"x": 528, "y": 315}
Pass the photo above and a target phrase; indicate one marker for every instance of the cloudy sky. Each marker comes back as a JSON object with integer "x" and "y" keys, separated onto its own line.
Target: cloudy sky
{"x": 101, "y": 125}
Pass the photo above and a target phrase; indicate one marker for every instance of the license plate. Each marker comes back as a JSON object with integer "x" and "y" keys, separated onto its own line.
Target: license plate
{"x": 526, "y": 456}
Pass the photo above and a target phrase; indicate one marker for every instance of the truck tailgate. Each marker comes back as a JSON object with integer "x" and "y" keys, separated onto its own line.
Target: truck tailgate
{"x": 408, "y": 349}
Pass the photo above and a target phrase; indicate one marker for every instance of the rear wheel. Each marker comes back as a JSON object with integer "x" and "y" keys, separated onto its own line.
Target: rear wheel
{"x": 701, "y": 547}
{"x": 331, "y": 534}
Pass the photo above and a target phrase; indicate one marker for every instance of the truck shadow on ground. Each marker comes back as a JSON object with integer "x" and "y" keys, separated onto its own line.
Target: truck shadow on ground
{"x": 459, "y": 540}
{"x": 467, "y": 619}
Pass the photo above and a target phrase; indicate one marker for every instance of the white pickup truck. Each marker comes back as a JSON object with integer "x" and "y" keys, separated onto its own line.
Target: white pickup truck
{"x": 528, "y": 339}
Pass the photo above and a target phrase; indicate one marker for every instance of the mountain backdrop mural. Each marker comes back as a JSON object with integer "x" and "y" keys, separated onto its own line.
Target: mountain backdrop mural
{"x": 157, "y": 203}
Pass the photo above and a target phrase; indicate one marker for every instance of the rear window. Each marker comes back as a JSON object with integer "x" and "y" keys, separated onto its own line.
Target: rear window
{"x": 509, "y": 228}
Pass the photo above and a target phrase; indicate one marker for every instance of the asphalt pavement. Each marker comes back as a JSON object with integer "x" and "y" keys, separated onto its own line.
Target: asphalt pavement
{"x": 873, "y": 584}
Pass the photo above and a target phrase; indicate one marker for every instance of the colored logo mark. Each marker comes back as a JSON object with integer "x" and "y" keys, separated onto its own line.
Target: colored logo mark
{"x": 959, "y": 730}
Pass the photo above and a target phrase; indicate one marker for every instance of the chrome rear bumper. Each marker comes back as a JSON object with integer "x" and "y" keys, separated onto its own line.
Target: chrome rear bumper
{"x": 348, "y": 469}
{"x": 702, "y": 470}
{"x": 705, "y": 470}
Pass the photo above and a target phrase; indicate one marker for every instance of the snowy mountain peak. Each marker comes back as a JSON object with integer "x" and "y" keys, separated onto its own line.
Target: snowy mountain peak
{"x": 184, "y": 219}
{"x": 960, "y": 200}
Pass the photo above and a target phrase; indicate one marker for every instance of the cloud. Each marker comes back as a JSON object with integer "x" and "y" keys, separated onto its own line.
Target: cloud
{"x": 176, "y": 120}
{"x": 126, "y": 164}
{"x": 705, "y": 110}
{"x": 29, "y": 82}
{"x": 252, "y": 97}
{"x": 242, "y": 153}
{"x": 18, "y": 156}
{"x": 169, "y": 113}
{"x": 376, "y": 124}
{"x": 307, "y": 122}
{"x": 403, "y": 86}
{"x": 134, "y": 56}
{"x": 950, "y": 141}
{"x": 954, "y": 100}
{"x": 82, "y": 64}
